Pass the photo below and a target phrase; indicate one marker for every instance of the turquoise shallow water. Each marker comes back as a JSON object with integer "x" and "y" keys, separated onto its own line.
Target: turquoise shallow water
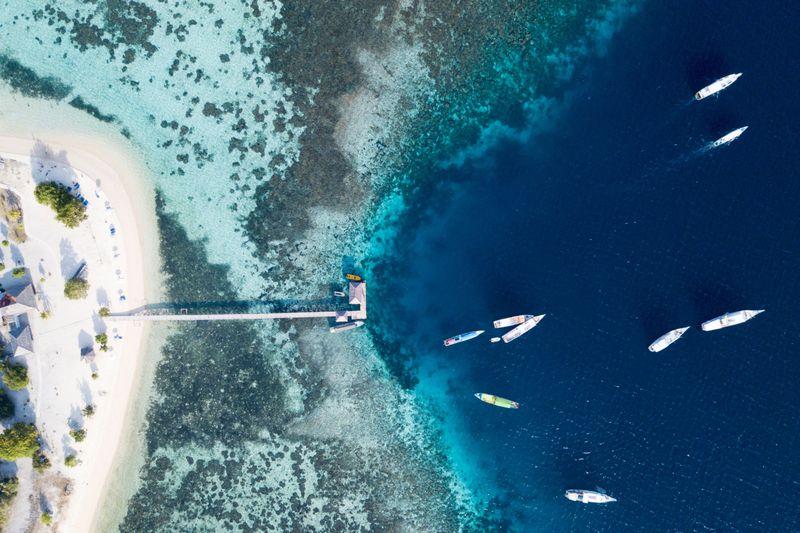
{"x": 287, "y": 142}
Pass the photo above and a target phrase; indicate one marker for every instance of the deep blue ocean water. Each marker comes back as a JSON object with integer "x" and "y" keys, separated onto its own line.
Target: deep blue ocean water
{"x": 612, "y": 225}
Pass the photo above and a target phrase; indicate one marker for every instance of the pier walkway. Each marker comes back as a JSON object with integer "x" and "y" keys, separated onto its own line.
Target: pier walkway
{"x": 352, "y": 307}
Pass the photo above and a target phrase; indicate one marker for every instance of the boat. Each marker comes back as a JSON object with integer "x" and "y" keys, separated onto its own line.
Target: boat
{"x": 666, "y": 339}
{"x": 523, "y": 328}
{"x": 463, "y": 337}
{"x": 348, "y": 326}
{"x": 717, "y": 86}
{"x": 496, "y": 400}
{"x": 588, "y": 496}
{"x": 511, "y": 321}
{"x": 730, "y": 319}
{"x": 728, "y": 137}
{"x": 496, "y": 339}
{"x": 353, "y": 277}
{"x": 339, "y": 294}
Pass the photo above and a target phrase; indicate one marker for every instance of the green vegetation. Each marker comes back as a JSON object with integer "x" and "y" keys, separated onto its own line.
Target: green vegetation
{"x": 45, "y": 315}
{"x": 71, "y": 460}
{"x": 18, "y": 441}
{"x": 76, "y": 288}
{"x": 78, "y": 434}
{"x": 89, "y": 411}
{"x": 6, "y": 405}
{"x": 104, "y": 312}
{"x": 69, "y": 210}
{"x": 2, "y": 266}
{"x": 102, "y": 340}
{"x": 40, "y": 461}
{"x": 8, "y": 491}
{"x": 14, "y": 215}
{"x": 15, "y": 376}
{"x": 18, "y": 272}
{"x": 5, "y": 242}
{"x": 95, "y": 375}
{"x": 47, "y": 518}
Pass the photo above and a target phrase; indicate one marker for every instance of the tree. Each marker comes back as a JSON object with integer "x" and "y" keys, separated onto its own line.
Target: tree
{"x": 18, "y": 272}
{"x": 104, "y": 312}
{"x": 14, "y": 215}
{"x": 47, "y": 518}
{"x": 76, "y": 288}
{"x": 40, "y": 461}
{"x": 78, "y": 434}
{"x": 18, "y": 441}
{"x": 6, "y": 405}
{"x": 15, "y": 376}
{"x": 102, "y": 340}
{"x": 71, "y": 460}
{"x": 69, "y": 210}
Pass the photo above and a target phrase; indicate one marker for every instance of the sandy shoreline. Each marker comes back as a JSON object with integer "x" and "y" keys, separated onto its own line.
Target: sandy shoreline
{"x": 122, "y": 181}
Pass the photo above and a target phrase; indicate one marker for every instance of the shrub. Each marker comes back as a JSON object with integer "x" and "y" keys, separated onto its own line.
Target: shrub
{"x": 45, "y": 315}
{"x": 47, "y": 518}
{"x": 78, "y": 434}
{"x": 104, "y": 312}
{"x": 14, "y": 215}
{"x": 15, "y": 376}
{"x": 102, "y": 340}
{"x": 69, "y": 210}
{"x": 71, "y": 460}
{"x": 40, "y": 461}
{"x": 18, "y": 441}
{"x": 76, "y": 288}
{"x": 5, "y": 242}
{"x": 8, "y": 491}
{"x": 89, "y": 411}
{"x": 18, "y": 272}
{"x": 95, "y": 375}
{"x": 6, "y": 405}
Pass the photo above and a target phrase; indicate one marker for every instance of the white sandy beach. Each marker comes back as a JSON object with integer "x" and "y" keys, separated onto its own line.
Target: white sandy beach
{"x": 123, "y": 272}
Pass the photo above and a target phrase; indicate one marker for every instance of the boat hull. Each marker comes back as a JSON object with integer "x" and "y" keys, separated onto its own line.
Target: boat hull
{"x": 730, "y": 319}
{"x": 463, "y": 337}
{"x": 523, "y": 328}
{"x": 496, "y": 400}
{"x": 666, "y": 339}
{"x": 588, "y": 496}
{"x": 717, "y": 86}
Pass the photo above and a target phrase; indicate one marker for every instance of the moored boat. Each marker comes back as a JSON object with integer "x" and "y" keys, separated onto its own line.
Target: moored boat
{"x": 666, "y": 339}
{"x": 348, "y": 326}
{"x": 523, "y": 328}
{"x": 463, "y": 337}
{"x": 588, "y": 496}
{"x": 728, "y": 137}
{"x": 717, "y": 86}
{"x": 511, "y": 321}
{"x": 730, "y": 319}
{"x": 496, "y": 400}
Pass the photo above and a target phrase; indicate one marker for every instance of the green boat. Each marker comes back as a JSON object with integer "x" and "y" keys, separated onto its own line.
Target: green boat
{"x": 496, "y": 400}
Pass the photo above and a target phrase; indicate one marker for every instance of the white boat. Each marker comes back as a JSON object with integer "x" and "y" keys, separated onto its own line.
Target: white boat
{"x": 511, "y": 321}
{"x": 496, "y": 339}
{"x": 731, "y": 319}
{"x": 588, "y": 496}
{"x": 728, "y": 137}
{"x": 666, "y": 339}
{"x": 463, "y": 337}
{"x": 717, "y": 86}
{"x": 523, "y": 328}
{"x": 345, "y": 327}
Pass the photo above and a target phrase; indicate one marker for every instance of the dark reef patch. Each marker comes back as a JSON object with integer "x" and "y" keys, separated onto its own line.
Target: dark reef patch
{"x": 80, "y": 103}
{"x": 25, "y": 81}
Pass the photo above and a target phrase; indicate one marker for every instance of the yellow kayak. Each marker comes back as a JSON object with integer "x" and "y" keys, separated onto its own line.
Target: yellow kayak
{"x": 496, "y": 400}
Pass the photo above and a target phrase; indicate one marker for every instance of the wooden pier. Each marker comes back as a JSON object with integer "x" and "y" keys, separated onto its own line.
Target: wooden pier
{"x": 357, "y": 296}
